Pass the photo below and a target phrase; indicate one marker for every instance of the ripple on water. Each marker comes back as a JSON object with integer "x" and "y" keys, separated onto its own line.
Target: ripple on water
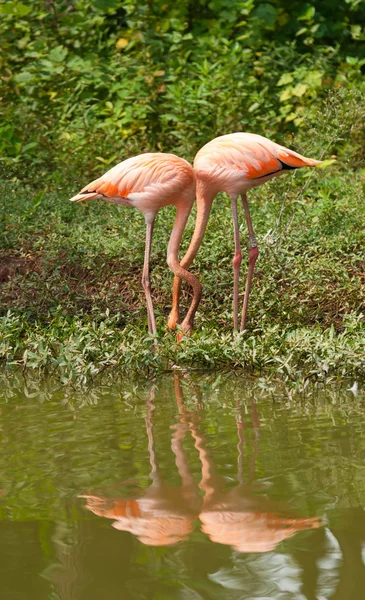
{"x": 183, "y": 488}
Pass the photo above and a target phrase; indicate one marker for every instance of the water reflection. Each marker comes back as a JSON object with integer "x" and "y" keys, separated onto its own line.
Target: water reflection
{"x": 226, "y": 468}
{"x": 241, "y": 517}
{"x": 163, "y": 515}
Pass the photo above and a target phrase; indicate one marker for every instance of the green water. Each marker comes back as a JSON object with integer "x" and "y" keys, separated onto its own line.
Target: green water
{"x": 184, "y": 488}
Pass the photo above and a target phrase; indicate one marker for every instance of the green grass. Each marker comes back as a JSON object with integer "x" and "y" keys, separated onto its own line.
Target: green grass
{"x": 71, "y": 299}
{"x": 75, "y": 102}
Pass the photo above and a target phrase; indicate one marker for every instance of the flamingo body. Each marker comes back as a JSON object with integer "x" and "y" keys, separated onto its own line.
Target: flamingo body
{"x": 249, "y": 523}
{"x": 237, "y": 162}
{"x": 163, "y": 515}
{"x": 149, "y": 182}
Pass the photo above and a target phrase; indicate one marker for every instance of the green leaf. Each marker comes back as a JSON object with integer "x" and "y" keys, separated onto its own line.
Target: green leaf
{"x": 326, "y": 163}
{"x": 314, "y": 78}
{"x": 23, "y": 77}
{"x": 355, "y": 31}
{"x": 253, "y": 107}
{"x": 170, "y": 117}
{"x": 307, "y": 13}
{"x": 285, "y": 95}
{"x": 299, "y": 90}
{"x": 58, "y": 54}
{"x": 285, "y": 79}
{"x": 29, "y": 146}
{"x": 301, "y": 31}
{"x": 290, "y": 117}
{"x": 14, "y": 8}
{"x": 266, "y": 13}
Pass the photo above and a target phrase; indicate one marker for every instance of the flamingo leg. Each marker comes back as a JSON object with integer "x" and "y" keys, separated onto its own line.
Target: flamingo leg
{"x": 252, "y": 257}
{"x": 174, "y": 316}
{"x": 204, "y": 200}
{"x": 182, "y": 214}
{"x": 146, "y": 277}
{"x": 155, "y": 472}
{"x": 237, "y": 259}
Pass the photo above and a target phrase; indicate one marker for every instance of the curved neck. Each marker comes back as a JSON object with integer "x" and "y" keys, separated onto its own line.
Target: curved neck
{"x": 183, "y": 209}
{"x": 204, "y": 199}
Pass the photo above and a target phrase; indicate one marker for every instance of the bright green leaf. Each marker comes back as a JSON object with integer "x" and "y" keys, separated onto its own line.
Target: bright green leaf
{"x": 326, "y": 163}
{"x": 285, "y": 95}
{"x": 299, "y": 90}
{"x": 57, "y": 54}
{"x": 307, "y": 13}
{"x": 285, "y": 79}
{"x": 14, "y": 8}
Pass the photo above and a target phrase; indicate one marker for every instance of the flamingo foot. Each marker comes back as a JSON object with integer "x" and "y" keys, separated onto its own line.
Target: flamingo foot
{"x": 185, "y": 329}
{"x": 173, "y": 319}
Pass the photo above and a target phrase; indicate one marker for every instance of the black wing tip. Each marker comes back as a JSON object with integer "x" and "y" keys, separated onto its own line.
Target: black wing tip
{"x": 285, "y": 167}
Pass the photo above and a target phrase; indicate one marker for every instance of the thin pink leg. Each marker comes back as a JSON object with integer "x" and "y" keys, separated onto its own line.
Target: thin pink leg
{"x": 252, "y": 257}
{"x": 237, "y": 259}
{"x": 146, "y": 277}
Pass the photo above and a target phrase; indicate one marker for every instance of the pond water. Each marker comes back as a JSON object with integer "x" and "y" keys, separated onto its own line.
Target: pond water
{"x": 187, "y": 487}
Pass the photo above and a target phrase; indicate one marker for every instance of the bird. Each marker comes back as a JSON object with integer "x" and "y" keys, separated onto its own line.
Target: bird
{"x": 234, "y": 163}
{"x": 149, "y": 182}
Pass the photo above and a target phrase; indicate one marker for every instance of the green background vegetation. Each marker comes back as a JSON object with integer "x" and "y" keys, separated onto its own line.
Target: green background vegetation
{"x": 87, "y": 84}
{"x": 121, "y": 76}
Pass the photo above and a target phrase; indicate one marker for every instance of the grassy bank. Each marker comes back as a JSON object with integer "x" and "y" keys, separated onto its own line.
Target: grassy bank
{"x": 71, "y": 299}
{"x": 85, "y": 85}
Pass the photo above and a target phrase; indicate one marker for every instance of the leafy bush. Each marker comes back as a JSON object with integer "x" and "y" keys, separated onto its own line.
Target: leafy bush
{"x": 110, "y": 78}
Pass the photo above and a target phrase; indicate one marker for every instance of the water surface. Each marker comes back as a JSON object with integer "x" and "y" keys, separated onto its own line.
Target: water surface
{"x": 188, "y": 487}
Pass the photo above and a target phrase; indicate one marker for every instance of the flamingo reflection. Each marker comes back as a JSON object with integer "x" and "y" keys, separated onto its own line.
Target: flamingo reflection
{"x": 240, "y": 518}
{"x": 163, "y": 515}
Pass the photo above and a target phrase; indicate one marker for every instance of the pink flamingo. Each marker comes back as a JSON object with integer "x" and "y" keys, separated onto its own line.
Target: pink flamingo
{"x": 233, "y": 163}
{"x": 149, "y": 182}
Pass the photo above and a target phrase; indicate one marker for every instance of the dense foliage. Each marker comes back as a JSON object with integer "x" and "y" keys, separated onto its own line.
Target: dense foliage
{"x": 111, "y": 77}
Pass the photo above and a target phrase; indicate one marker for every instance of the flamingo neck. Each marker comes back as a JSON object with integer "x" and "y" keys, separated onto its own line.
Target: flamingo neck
{"x": 205, "y": 195}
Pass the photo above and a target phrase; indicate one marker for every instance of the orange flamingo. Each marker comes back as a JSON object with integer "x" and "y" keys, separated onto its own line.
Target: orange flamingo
{"x": 149, "y": 182}
{"x": 239, "y": 518}
{"x": 234, "y": 164}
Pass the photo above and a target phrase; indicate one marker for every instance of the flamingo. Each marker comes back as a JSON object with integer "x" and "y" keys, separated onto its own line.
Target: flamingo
{"x": 233, "y": 163}
{"x": 149, "y": 182}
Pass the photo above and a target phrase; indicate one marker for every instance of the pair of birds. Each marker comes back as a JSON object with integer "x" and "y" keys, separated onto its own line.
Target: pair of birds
{"x": 231, "y": 163}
